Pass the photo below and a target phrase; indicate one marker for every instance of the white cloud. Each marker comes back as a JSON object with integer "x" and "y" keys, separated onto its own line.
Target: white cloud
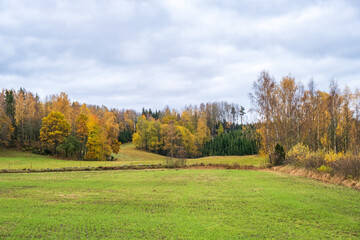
{"x": 161, "y": 52}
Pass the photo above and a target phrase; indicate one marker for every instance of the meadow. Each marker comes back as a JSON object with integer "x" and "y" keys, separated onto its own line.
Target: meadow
{"x": 175, "y": 204}
{"x": 128, "y": 155}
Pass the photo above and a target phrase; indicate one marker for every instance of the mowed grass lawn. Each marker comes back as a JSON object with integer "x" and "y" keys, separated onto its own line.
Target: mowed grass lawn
{"x": 128, "y": 155}
{"x": 175, "y": 204}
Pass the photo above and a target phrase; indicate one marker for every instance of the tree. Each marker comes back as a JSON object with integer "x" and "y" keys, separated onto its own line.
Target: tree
{"x": 220, "y": 129}
{"x": 278, "y": 157}
{"x": 334, "y": 104}
{"x": 54, "y": 130}
{"x": 82, "y": 132}
{"x": 154, "y": 139}
{"x": 98, "y": 148}
{"x": 10, "y": 104}
{"x": 6, "y": 129}
{"x": 171, "y": 139}
{"x": 287, "y": 112}
{"x": 70, "y": 146}
{"x": 242, "y": 113}
{"x": 140, "y": 138}
{"x": 265, "y": 101}
{"x": 61, "y": 103}
{"x": 202, "y": 133}
{"x": 112, "y": 131}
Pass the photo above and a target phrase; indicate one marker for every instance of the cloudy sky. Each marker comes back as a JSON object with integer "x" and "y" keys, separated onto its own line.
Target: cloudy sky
{"x": 130, "y": 54}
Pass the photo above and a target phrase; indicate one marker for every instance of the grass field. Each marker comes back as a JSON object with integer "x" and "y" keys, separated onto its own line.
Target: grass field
{"x": 10, "y": 159}
{"x": 175, "y": 204}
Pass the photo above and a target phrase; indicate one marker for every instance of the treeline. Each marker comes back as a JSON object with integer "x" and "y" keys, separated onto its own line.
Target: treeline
{"x": 61, "y": 127}
{"x": 244, "y": 141}
{"x": 196, "y": 131}
{"x": 291, "y": 114}
{"x": 58, "y": 126}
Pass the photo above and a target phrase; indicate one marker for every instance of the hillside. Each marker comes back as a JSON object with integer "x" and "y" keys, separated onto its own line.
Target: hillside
{"x": 128, "y": 155}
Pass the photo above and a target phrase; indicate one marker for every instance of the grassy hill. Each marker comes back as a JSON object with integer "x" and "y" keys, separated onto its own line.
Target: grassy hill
{"x": 175, "y": 204}
{"x": 128, "y": 155}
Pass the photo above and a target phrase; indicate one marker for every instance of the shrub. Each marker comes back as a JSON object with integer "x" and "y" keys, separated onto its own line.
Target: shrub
{"x": 278, "y": 157}
{"x": 297, "y": 153}
{"x": 111, "y": 158}
{"x": 324, "y": 169}
{"x": 175, "y": 162}
{"x": 348, "y": 166}
{"x": 300, "y": 155}
{"x": 332, "y": 156}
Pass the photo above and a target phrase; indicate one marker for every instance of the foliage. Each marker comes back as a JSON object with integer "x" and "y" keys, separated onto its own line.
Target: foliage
{"x": 298, "y": 152}
{"x": 6, "y": 130}
{"x": 324, "y": 169}
{"x": 220, "y": 129}
{"x": 278, "y": 157}
{"x": 347, "y": 166}
{"x": 168, "y": 139}
{"x": 125, "y": 136}
{"x": 98, "y": 148}
{"x": 330, "y": 162}
{"x": 70, "y": 146}
{"x": 291, "y": 114}
{"x": 331, "y": 156}
{"x": 239, "y": 142}
{"x": 175, "y": 162}
{"x": 54, "y": 129}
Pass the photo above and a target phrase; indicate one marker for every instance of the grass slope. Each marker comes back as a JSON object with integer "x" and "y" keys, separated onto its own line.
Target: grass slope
{"x": 171, "y": 204}
{"x": 128, "y": 155}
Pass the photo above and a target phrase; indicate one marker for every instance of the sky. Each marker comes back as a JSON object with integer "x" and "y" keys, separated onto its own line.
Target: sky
{"x": 134, "y": 54}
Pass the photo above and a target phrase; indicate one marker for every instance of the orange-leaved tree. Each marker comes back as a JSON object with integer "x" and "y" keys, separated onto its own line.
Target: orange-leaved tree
{"x": 98, "y": 147}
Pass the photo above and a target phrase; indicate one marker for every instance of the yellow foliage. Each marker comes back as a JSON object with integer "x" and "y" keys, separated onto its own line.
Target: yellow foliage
{"x": 54, "y": 129}
{"x": 298, "y": 152}
{"x": 332, "y": 156}
{"x": 6, "y": 129}
{"x": 136, "y": 139}
{"x": 97, "y": 146}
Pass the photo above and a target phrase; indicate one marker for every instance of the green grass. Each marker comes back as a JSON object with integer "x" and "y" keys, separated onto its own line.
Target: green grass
{"x": 128, "y": 155}
{"x": 175, "y": 204}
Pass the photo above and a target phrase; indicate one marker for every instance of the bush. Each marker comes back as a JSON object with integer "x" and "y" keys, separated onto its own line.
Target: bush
{"x": 111, "y": 158}
{"x": 278, "y": 157}
{"x": 348, "y": 166}
{"x": 175, "y": 162}
{"x": 300, "y": 155}
{"x": 324, "y": 169}
{"x": 297, "y": 153}
{"x": 70, "y": 146}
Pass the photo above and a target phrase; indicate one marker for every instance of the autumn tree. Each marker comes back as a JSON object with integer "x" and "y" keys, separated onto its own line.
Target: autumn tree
{"x": 82, "y": 132}
{"x": 202, "y": 133}
{"x": 98, "y": 147}
{"x": 265, "y": 102}
{"x": 54, "y": 129}
{"x": 112, "y": 131}
{"x": 334, "y": 105}
{"x": 287, "y": 117}
{"x": 355, "y": 133}
{"x": 6, "y": 127}
{"x": 220, "y": 129}
{"x": 61, "y": 103}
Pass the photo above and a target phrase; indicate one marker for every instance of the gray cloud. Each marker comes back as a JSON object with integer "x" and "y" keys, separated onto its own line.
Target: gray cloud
{"x": 130, "y": 54}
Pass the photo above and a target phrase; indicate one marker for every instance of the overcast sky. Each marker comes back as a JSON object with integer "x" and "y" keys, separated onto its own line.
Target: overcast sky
{"x": 130, "y": 54}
